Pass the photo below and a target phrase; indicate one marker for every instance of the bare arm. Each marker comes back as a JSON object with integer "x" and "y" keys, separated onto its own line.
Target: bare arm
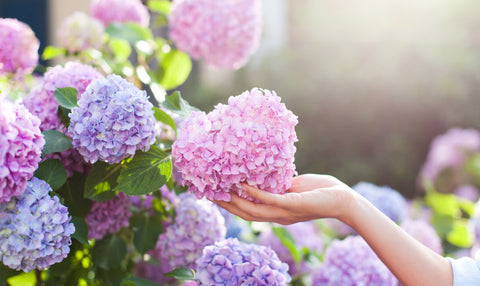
{"x": 319, "y": 196}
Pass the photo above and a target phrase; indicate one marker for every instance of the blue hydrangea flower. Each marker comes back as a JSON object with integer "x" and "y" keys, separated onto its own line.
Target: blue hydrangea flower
{"x": 112, "y": 121}
{"x": 35, "y": 229}
{"x": 231, "y": 262}
{"x": 386, "y": 199}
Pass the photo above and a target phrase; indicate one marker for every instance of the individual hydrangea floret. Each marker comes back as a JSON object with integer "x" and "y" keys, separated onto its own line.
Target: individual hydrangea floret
{"x": 80, "y": 32}
{"x": 124, "y": 11}
{"x": 222, "y": 33}
{"x": 18, "y": 47}
{"x": 197, "y": 223}
{"x": 305, "y": 234}
{"x": 387, "y": 200}
{"x": 35, "y": 229}
{"x": 251, "y": 139}
{"x": 352, "y": 262}
{"x": 113, "y": 120}
{"x": 108, "y": 216}
{"x": 423, "y": 232}
{"x": 230, "y": 262}
{"x": 21, "y": 144}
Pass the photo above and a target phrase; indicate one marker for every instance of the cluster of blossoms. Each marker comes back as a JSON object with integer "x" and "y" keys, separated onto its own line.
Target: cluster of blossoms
{"x": 18, "y": 48}
{"x": 305, "y": 234}
{"x": 198, "y": 223}
{"x": 423, "y": 232}
{"x": 230, "y": 262}
{"x": 223, "y": 33}
{"x": 113, "y": 120}
{"x": 251, "y": 139}
{"x": 352, "y": 262}
{"x": 80, "y": 32}
{"x": 21, "y": 144}
{"x": 108, "y": 216}
{"x": 35, "y": 229}
{"x": 123, "y": 11}
{"x": 386, "y": 199}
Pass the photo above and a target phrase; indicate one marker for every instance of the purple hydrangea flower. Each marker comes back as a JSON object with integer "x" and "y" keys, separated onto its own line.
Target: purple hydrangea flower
{"x": 35, "y": 229}
{"x": 235, "y": 225}
{"x": 124, "y": 11}
{"x": 197, "y": 223}
{"x": 249, "y": 140}
{"x": 80, "y": 32}
{"x": 305, "y": 234}
{"x": 474, "y": 224}
{"x": 223, "y": 33}
{"x": 18, "y": 47}
{"x": 386, "y": 199}
{"x": 467, "y": 192}
{"x": 231, "y": 262}
{"x": 423, "y": 232}
{"x": 21, "y": 144}
{"x": 113, "y": 120}
{"x": 352, "y": 262}
{"x": 108, "y": 216}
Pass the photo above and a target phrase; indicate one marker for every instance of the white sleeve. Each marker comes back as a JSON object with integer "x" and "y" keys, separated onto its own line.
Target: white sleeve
{"x": 466, "y": 271}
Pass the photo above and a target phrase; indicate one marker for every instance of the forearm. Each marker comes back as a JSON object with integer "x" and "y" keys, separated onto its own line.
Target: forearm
{"x": 409, "y": 260}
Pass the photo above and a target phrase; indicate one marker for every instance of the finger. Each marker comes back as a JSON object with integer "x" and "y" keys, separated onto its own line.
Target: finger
{"x": 264, "y": 196}
{"x": 235, "y": 210}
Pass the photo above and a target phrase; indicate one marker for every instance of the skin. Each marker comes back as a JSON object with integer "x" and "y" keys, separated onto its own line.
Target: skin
{"x": 313, "y": 196}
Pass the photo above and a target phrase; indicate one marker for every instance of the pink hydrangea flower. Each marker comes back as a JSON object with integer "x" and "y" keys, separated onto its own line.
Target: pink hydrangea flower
{"x": 109, "y": 11}
{"x": 79, "y": 32}
{"x": 21, "y": 144}
{"x": 18, "y": 47}
{"x": 251, "y": 139}
{"x": 223, "y": 33}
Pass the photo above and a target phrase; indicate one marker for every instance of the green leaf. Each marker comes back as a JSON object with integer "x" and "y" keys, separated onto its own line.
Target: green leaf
{"x": 81, "y": 229}
{"x": 121, "y": 49}
{"x": 287, "y": 240}
{"x": 52, "y": 172}
{"x": 129, "y": 31}
{"x": 110, "y": 277}
{"x": 145, "y": 173}
{"x": 159, "y": 6}
{"x": 176, "y": 68}
{"x": 72, "y": 194}
{"x": 51, "y": 52}
{"x": 163, "y": 117}
{"x": 146, "y": 229}
{"x": 109, "y": 252}
{"x": 181, "y": 274}
{"x": 24, "y": 279}
{"x": 55, "y": 141}
{"x": 175, "y": 103}
{"x": 443, "y": 204}
{"x": 136, "y": 281}
{"x": 460, "y": 236}
{"x": 101, "y": 181}
{"x": 66, "y": 97}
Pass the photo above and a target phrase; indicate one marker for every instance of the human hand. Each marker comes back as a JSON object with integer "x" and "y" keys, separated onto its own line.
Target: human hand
{"x": 310, "y": 197}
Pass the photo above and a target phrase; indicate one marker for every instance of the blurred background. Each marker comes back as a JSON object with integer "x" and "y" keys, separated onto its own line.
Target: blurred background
{"x": 372, "y": 82}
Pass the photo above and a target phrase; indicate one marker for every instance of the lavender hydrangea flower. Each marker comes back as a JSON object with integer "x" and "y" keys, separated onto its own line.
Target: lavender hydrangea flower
{"x": 230, "y": 262}
{"x": 18, "y": 47}
{"x": 305, "y": 234}
{"x": 474, "y": 225}
{"x": 197, "y": 223}
{"x": 467, "y": 192}
{"x": 21, "y": 144}
{"x": 124, "y": 11}
{"x": 249, "y": 140}
{"x": 35, "y": 229}
{"x": 352, "y": 262}
{"x": 113, "y": 120}
{"x": 80, "y": 32}
{"x": 386, "y": 199}
{"x": 223, "y": 33}
{"x": 108, "y": 216}
{"x": 423, "y": 232}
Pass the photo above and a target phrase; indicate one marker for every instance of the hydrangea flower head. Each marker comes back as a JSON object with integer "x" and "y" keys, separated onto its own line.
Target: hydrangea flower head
{"x": 108, "y": 216}
{"x": 113, "y": 120}
{"x": 352, "y": 262}
{"x": 41, "y": 101}
{"x": 80, "y": 32}
{"x": 21, "y": 144}
{"x": 386, "y": 199}
{"x": 223, "y": 33}
{"x": 35, "y": 229}
{"x": 251, "y": 139}
{"x": 231, "y": 262}
{"x": 124, "y": 11}
{"x": 423, "y": 232}
{"x": 18, "y": 47}
{"x": 197, "y": 223}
